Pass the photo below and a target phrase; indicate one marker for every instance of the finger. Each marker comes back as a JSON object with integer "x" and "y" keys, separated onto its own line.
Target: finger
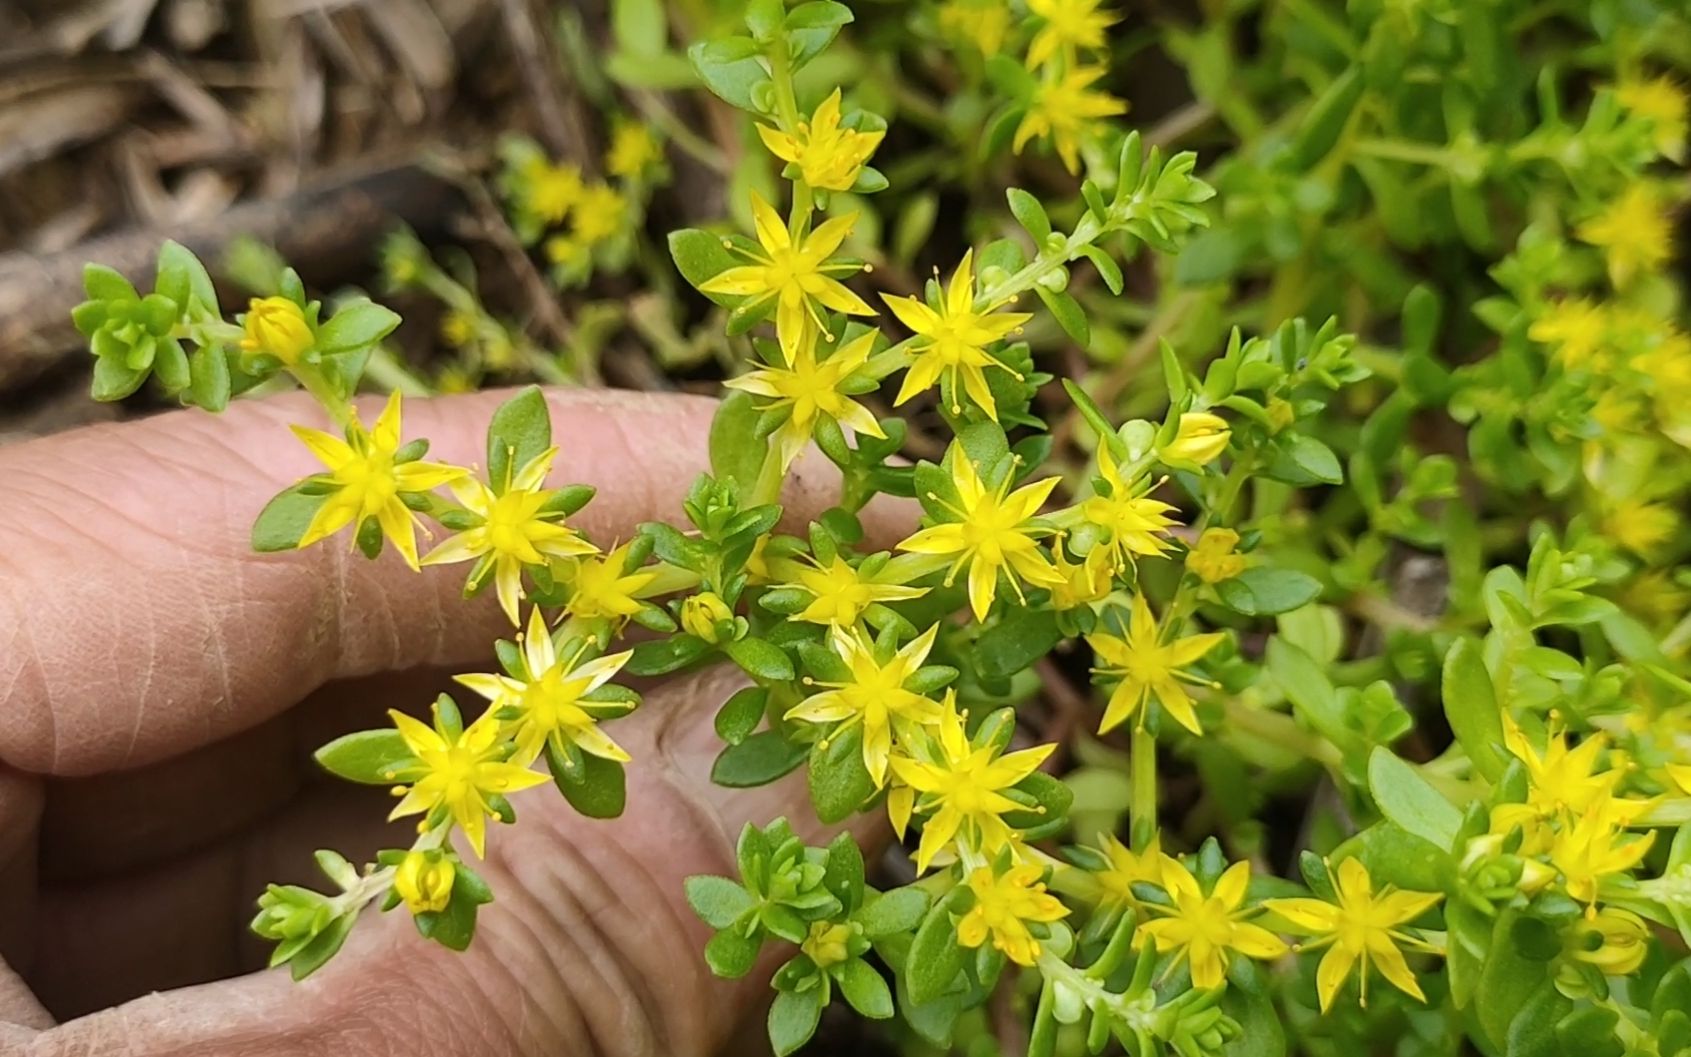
{"x": 588, "y": 947}
{"x": 20, "y": 813}
{"x": 135, "y": 623}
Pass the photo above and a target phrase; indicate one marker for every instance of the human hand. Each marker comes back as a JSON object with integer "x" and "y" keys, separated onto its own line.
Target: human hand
{"x": 163, "y": 687}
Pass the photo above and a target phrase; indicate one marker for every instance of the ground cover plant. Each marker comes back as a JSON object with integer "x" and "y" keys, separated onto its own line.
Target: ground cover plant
{"x": 1291, "y": 655}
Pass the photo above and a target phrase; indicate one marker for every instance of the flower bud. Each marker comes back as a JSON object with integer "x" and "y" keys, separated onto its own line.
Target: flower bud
{"x": 1215, "y": 558}
{"x": 826, "y": 944}
{"x": 276, "y": 327}
{"x": 424, "y": 881}
{"x": 703, "y": 615}
{"x": 1201, "y": 437}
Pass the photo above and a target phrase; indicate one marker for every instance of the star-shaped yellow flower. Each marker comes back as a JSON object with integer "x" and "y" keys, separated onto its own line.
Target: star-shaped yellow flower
{"x": 1148, "y": 666}
{"x": 454, "y": 773}
{"x": 840, "y": 593}
{"x": 605, "y": 587}
{"x": 1207, "y": 930}
{"x": 546, "y": 702}
{"x": 953, "y": 339}
{"x": 367, "y": 480}
{"x": 961, "y": 788}
{"x": 1634, "y": 232}
{"x": 1064, "y": 108}
{"x": 1364, "y": 928}
{"x": 1069, "y": 25}
{"x": 994, "y": 532}
{"x": 813, "y": 391}
{"x": 829, "y": 157}
{"x": 517, "y": 531}
{"x": 874, "y": 695}
{"x": 1138, "y": 525}
{"x": 795, "y": 273}
{"x": 1004, "y": 905}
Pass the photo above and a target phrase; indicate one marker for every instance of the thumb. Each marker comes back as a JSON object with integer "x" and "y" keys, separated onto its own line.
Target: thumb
{"x": 588, "y": 949}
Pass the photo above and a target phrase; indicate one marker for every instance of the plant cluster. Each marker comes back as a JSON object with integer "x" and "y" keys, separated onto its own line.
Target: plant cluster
{"x": 1429, "y": 321}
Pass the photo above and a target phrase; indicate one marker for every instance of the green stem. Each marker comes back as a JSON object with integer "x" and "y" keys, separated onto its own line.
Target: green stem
{"x": 313, "y": 381}
{"x": 1085, "y": 233}
{"x": 388, "y": 373}
{"x": 1143, "y": 805}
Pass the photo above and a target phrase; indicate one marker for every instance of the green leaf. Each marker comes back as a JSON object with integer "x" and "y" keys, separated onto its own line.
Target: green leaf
{"x": 761, "y": 659}
{"x": 700, "y": 257}
{"x": 662, "y": 656}
{"x": 356, "y": 325}
{"x": 367, "y": 756}
{"x": 718, "y": 901}
{"x": 1022, "y": 636}
{"x": 597, "y": 787}
{"x": 107, "y": 284}
{"x": 208, "y": 378}
{"x": 1029, "y": 214}
{"x": 1095, "y": 417}
{"x": 731, "y": 955}
{"x": 1470, "y": 705}
{"x": 1305, "y": 461}
{"x": 284, "y": 519}
{"x": 1408, "y": 800}
{"x": 1509, "y": 980}
{"x": 819, "y": 14}
{"x": 1393, "y": 855}
{"x": 1265, "y": 591}
{"x": 839, "y": 782}
{"x": 936, "y": 960}
{"x": 793, "y": 1018}
{"x": 741, "y": 713}
{"x": 114, "y": 379}
{"x": 520, "y": 430}
{"x": 1322, "y": 125}
{"x": 639, "y": 27}
{"x": 314, "y": 955}
{"x": 730, "y": 68}
{"x": 865, "y": 990}
{"x": 1310, "y": 691}
{"x": 759, "y": 760}
{"x": 899, "y": 910}
{"x": 737, "y": 453}
{"x": 190, "y": 282}
{"x": 1068, "y": 313}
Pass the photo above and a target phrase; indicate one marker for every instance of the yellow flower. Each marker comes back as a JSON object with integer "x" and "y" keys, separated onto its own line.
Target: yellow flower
{"x": 633, "y": 150}
{"x": 424, "y": 881}
{"x": 874, "y": 695}
{"x": 458, "y": 329}
{"x": 962, "y": 788}
{"x": 1577, "y": 329}
{"x": 1147, "y": 666}
{"x": 953, "y": 340}
{"x": 1064, "y": 109}
{"x": 793, "y": 272}
{"x": 1128, "y": 868}
{"x": 1615, "y": 941}
{"x": 1365, "y": 927}
{"x": 1593, "y": 848}
{"x": 1089, "y": 581}
{"x": 826, "y": 944}
{"x": 518, "y": 529}
{"x": 1004, "y": 906}
{"x": 454, "y": 773}
{"x": 1634, "y": 233}
{"x": 1069, "y": 25}
{"x": 1207, "y": 929}
{"x": 840, "y": 593}
{"x": 993, "y": 533}
{"x": 1135, "y": 521}
{"x": 547, "y": 706}
{"x": 275, "y": 326}
{"x": 1661, "y": 101}
{"x": 552, "y": 189}
{"x": 983, "y": 23}
{"x": 1642, "y": 528}
{"x": 1216, "y": 557}
{"x": 814, "y": 391}
{"x": 605, "y": 587}
{"x": 368, "y": 482}
{"x": 1199, "y": 440}
{"x": 702, "y": 613}
{"x": 599, "y": 214}
{"x": 829, "y": 157}
{"x": 1563, "y": 783}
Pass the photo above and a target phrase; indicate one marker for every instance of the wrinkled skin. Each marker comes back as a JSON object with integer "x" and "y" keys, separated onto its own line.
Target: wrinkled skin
{"x": 161, "y": 688}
